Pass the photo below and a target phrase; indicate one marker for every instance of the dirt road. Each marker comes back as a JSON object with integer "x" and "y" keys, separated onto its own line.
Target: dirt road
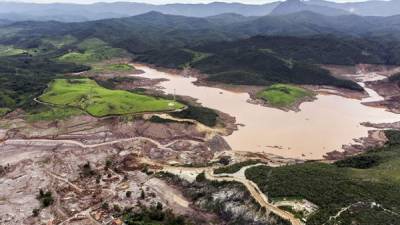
{"x": 254, "y": 190}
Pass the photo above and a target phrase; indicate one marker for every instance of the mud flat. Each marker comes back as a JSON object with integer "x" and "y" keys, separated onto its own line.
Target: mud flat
{"x": 322, "y": 126}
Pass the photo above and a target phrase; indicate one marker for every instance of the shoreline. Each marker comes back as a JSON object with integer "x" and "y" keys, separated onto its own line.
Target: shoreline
{"x": 352, "y": 148}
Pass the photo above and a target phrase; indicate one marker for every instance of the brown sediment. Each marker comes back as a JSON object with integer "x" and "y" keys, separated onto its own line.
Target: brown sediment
{"x": 395, "y": 125}
{"x": 330, "y": 90}
{"x": 350, "y": 71}
{"x": 390, "y": 91}
{"x": 138, "y": 82}
{"x": 376, "y": 138}
{"x": 181, "y": 72}
{"x": 339, "y": 70}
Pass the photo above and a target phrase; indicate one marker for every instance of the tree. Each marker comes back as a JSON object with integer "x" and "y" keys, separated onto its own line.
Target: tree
{"x": 225, "y": 160}
{"x": 159, "y": 206}
{"x": 45, "y": 198}
{"x": 105, "y": 206}
{"x": 35, "y": 212}
{"x": 142, "y": 195}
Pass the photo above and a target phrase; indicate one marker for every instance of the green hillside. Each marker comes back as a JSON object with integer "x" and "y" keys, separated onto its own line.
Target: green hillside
{"x": 87, "y": 95}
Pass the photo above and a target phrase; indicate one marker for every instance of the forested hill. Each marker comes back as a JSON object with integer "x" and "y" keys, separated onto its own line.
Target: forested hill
{"x": 154, "y": 30}
{"x": 230, "y": 48}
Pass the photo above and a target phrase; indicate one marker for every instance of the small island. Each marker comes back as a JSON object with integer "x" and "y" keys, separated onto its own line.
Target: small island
{"x": 284, "y": 96}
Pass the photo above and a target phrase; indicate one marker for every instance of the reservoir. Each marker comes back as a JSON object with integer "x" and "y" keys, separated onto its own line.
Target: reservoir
{"x": 321, "y": 126}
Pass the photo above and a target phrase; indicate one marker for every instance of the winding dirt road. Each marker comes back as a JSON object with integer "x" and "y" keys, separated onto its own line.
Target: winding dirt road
{"x": 80, "y": 144}
{"x": 254, "y": 190}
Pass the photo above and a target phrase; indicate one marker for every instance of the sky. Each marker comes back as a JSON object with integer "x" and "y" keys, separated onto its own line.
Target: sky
{"x": 157, "y": 1}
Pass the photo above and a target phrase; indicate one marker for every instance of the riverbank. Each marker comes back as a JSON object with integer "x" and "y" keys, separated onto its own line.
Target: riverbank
{"x": 324, "y": 125}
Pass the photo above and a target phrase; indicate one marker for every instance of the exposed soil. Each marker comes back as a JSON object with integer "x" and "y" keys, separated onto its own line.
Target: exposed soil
{"x": 390, "y": 90}
{"x": 200, "y": 144}
{"x": 376, "y": 138}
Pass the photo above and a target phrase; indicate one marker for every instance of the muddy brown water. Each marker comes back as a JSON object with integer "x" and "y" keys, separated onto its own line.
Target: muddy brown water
{"x": 320, "y": 127}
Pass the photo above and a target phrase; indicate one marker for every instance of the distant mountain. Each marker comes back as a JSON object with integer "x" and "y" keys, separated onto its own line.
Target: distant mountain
{"x": 76, "y": 12}
{"x": 307, "y": 23}
{"x": 20, "y": 11}
{"x": 4, "y": 22}
{"x": 367, "y": 8}
{"x": 230, "y": 18}
{"x": 294, "y": 6}
{"x": 216, "y": 8}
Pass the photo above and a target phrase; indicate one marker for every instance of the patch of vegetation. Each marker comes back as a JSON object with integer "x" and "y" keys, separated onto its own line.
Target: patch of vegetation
{"x": 332, "y": 187}
{"x": 395, "y": 77}
{"x": 113, "y": 67}
{"x": 360, "y": 162}
{"x": 235, "y": 167}
{"x": 157, "y": 119}
{"x": 45, "y": 198}
{"x": 283, "y": 95}
{"x": 10, "y": 50}
{"x": 290, "y": 209}
{"x": 87, "y": 171}
{"x": 4, "y": 111}
{"x": 87, "y": 95}
{"x": 393, "y": 137}
{"x": 113, "y": 82}
{"x": 91, "y": 51}
{"x": 52, "y": 113}
{"x": 60, "y": 42}
{"x": 365, "y": 214}
{"x": 196, "y": 57}
{"x": 154, "y": 215}
{"x": 203, "y": 115}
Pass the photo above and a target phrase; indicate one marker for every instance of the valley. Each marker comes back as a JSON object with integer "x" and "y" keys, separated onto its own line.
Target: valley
{"x": 298, "y": 136}
{"x": 284, "y": 114}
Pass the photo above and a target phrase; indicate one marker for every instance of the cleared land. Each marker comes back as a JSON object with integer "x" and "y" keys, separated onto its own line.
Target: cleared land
{"x": 91, "y": 51}
{"x": 284, "y": 95}
{"x": 87, "y": 95}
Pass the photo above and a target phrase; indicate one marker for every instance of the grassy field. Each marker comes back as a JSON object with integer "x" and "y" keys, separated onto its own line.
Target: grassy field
{"x": 60, "y": 42}
{"x": 53, "y": 113}
{"x": 335, "y": 186}
{"x": 92, "y": 51}
{"x": 87, "y": 95}
{"x": 197, "y": 56}
{"x": 283, "y": 95}
{"x": 6, "y": 50}
{"x": 113, "y": 67}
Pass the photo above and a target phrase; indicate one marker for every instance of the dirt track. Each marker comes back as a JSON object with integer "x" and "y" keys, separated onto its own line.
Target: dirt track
{"x": 254, "y": 190}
